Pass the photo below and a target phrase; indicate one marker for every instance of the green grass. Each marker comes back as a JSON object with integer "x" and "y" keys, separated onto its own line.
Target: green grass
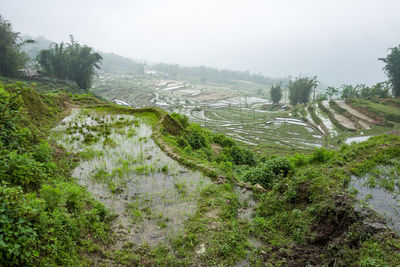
{"x": 379, "y": 107}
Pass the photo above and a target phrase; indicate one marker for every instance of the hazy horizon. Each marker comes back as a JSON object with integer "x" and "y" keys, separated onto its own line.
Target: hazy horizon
{"x": 338, "y": 42}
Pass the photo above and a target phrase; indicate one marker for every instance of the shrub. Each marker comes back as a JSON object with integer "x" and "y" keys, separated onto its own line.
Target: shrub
{"x": 182, "y": 142}
{"x": 265, "y": 173}
{"x": 221, "y": 157}
{"x": 242, "y": 156}
{"x": 42, "y": 152}
{"x": 183, "y": 119}
{"x": 21, "y": 170}
{"x": 299, "y": 160}
{"x": 321, "y": 155}
{"x": 279, "y": 166}
{"x": 18, "y": 235}
{"x": 223, "y": 140}
{"x": 259, "y": 175}
{"x": 196, "y": 137}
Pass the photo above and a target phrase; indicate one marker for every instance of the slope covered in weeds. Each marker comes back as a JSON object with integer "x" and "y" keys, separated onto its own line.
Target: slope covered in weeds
{"x": 45, "y": 217}
{"x": 299, "y": 209}
{"x": 305, "y": 214}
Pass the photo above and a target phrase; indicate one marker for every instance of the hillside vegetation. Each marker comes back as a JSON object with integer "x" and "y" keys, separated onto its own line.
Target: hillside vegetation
{"x": 298, "y": 210}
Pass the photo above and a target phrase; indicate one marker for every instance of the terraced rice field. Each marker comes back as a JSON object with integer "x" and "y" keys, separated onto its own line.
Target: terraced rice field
{"x": 224, "y": 110}
{"x": 151, "y": 194}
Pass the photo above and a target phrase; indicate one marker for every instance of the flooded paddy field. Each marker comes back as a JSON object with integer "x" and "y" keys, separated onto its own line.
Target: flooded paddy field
{"x": 222, "y": 109}
{"x": 255, "y": 127}
{"x": 240, "y": 113}
{"x": 379, "y": 189}
{"x": 151, "y": 194}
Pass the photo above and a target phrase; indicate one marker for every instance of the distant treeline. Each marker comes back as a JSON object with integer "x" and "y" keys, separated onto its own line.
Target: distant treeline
{"x": 207, "y": 74}
{"x": 113, "y": 63}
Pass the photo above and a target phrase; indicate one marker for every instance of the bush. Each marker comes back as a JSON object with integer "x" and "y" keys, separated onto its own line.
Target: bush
{"x": 196, "y": 137}
{"x": 265, "y": 173}
{"x": 279, "y": 166}
{"x": 242, "y": 156}
{"x": 21, "y": 170}
{"x": 223, "y": 140}
{"x": 42, "y": 152}
{"x": 182, "y": 142}
{"x": 259, "y": 175}
{"x": 321, "y": 155}
{"x": 18, "y": 235}
{"x": 222, "y": 157}
{"x": 183, "y": 119}
{"x": 299, "y": 160}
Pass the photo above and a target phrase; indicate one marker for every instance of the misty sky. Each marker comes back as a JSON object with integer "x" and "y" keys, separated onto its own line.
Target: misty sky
{"x": 337, "y": 40}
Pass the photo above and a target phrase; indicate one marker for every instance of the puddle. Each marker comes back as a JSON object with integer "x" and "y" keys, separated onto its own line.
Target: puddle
{"x": 249, "y": 205}
{"x": 288, "y": 120}
{"x": 151, "y": 193}
{"x": 326, "y": 121}
{"x": 383, "y": 202}
{"x": 357, "y": 139}
{"x": 246, "y": 213}
{"x": 121, "y": 102}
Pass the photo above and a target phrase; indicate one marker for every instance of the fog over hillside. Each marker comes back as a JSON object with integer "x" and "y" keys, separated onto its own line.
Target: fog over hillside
{"x": 339, "y": 41}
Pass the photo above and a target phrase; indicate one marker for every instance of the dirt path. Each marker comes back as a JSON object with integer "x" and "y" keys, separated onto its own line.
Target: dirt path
{"x": 354, "y": 112}
{"x": 345, "y": 122}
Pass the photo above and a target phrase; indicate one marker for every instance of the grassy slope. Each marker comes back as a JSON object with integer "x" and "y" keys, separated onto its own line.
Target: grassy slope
{"x": 290, "y": 217}
{"x": 308, "y": 218}
{"x": 304, "y": 218}
{"x": 58, "y": 221}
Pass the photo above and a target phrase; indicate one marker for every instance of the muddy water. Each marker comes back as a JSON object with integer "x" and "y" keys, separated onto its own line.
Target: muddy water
{"x": 151, "y": 194}
{"x": 326, "y": 121}
{"x": 357, "y": 139}
{"x": 246, "y": 213}
{"x": 385, "y": 203}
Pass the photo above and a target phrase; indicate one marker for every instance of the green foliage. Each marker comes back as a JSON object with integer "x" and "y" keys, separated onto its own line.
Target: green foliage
{"x": 18, "y": 236}
{"x": 210, "y": 74}
{"x": 392, "y": 69}
{"x": 75, "y": 62}
{"x": 42, "y": 152}
{"x": 276, "y": 93}
{"x": 21, "y": 169}
{"x": 223, "y": 140}
{"x": 321, "y": 155}
{"x": 332, "y": 91}
{"x": 11, "y": 105}
{"x": 300, "y": 89}
{"x": 347, "y": 91}
{"x": 267, "y": 172}
{"x": 11, "y": 56}
{"x": 380, "y": 90}
{"x": 51, "y": 225}
{"x": 299, "y": 160}
{"x": 196, "y": 137}
{"x": 183, "y": 119}
{"x": 242, "y": 156}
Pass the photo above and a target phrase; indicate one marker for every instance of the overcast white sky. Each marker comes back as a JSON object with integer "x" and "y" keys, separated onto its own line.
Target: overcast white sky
{"x": 337, "y": 40}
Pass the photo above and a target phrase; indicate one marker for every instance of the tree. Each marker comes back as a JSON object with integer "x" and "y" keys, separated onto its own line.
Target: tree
{"x": 73, "y": 62}
{"x": 300, "y": 89}
{"x": 276, "y": 93}
{"x": 11, "y": 56}
{"x": 392, "y": 69}
{"x": 332, "y": 91}
{"x": 347, "y": 91}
